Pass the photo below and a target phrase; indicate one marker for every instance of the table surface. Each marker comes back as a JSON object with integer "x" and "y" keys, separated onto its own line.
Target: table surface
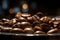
{"x": 16, "y": 34}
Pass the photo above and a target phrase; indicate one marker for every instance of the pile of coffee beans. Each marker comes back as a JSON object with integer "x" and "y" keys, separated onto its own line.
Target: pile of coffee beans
{"x": 27, "y": 24}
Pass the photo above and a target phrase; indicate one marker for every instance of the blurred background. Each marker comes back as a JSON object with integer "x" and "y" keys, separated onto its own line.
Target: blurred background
{"x": 8, "y": 8}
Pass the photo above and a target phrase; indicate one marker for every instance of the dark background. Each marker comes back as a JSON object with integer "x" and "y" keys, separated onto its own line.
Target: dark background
{"x": 48, "y": 7}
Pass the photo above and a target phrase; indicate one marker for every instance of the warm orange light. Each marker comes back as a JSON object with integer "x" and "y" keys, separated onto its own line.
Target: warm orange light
{"x": 11, "y": 11}
{"x": 25, "y": 6}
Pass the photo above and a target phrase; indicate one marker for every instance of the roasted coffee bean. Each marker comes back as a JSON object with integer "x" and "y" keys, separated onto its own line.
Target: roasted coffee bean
{"x": 18, "y": 15}
{"x": 53, "y": 31}
{"x": 40, "y": 14}
{"x": 6, "y": 29}
{"x": 17, "y": 25}
{"x": 45, "y": 19}
{"x": 26, "y": 15}
{"x": 1, "y": 28}
{"x": 25, "y": 24}
{"x": 22, "y": 19}
{"x": 28, "y": 30}
{"x": 39, "y": 32}
{"x": 36, "y": 23}
{"x": 37, "y": 28}
{"x": 17, "y": 30}
{"x": 45, "y": 27}
{"x": 1, "y": 23}
{"x": 30, "y": 19}
{"x": 37, "y": 17}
